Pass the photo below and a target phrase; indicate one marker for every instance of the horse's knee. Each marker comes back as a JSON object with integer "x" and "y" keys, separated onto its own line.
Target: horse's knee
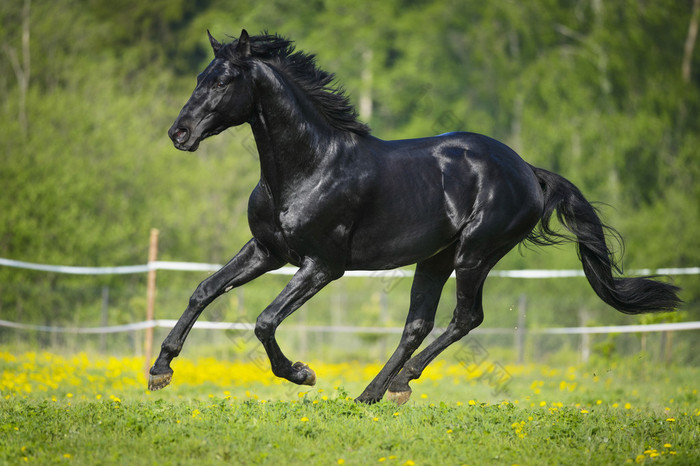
{"x": 416, "y": 331}
{"x": 208, "y": 290}
{"x": 264, "y": 328}
{"x": 201, "y": 296}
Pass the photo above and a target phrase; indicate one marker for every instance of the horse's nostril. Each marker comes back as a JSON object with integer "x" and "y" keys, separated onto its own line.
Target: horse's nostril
{"x": 181, "y": 135}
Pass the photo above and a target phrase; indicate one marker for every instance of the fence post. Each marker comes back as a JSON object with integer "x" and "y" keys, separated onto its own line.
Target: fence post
{"x": 583, "y": 318}
{"x": 383, "y": 319}
{"x": 105, "y": 316}
{"x": 150, "y": 297}
{"x": 667, "y": 338}
{"x": 520, "y": 332}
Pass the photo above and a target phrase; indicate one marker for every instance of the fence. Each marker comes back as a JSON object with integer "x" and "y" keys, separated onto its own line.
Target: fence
{"x": 518, "y": 333}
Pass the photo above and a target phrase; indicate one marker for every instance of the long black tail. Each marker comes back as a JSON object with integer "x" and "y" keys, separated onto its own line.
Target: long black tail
{"x": 629, "y": 295}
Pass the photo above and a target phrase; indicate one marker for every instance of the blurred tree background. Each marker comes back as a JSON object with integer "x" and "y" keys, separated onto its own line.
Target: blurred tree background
{"x": 606, "y": 93}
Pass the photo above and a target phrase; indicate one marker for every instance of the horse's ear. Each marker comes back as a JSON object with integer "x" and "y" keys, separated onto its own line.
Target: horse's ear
{"x": 214, "y": 43}
{"x": 243, "y": 47}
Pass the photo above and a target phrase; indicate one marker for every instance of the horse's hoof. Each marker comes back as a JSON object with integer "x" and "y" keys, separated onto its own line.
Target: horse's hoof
{"x": 310, "y": 374}
{"x": 158, "y": 381}
{"x": 367, "y": 400}
{"x": 398, "y": 397}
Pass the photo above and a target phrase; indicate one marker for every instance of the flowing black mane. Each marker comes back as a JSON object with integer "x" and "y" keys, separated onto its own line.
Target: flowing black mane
{"x": 301, "y": 67}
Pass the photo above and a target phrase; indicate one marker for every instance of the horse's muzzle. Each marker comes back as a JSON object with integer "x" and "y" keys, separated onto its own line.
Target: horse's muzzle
{"x": 182, "y": 138}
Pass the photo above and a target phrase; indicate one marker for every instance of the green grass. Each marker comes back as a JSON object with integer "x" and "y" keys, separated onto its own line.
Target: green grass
{"x": 631, "y": 411}
{"x": 336, "y": 431}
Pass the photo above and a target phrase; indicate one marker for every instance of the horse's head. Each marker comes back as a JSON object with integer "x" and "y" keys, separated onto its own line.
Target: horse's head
{"x": 223, "y": 96}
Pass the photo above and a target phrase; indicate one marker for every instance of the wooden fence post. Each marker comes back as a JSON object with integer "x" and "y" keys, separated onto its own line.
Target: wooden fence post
{"x": 150, "y": 298}
{"x": 583, "y": 318}
{"x": 105, "y": 318}
{"x": 520, "y": 329}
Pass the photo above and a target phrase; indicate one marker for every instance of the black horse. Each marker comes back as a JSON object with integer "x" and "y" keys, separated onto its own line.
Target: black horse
{"x": 332, "y": 198}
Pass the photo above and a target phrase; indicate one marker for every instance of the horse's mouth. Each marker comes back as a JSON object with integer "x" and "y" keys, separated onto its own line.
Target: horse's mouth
{"x": 188, "y": 146}
{"x": 193, "y": 147}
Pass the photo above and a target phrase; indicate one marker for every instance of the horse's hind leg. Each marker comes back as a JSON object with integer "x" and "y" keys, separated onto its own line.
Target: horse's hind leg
{"x": 468, "y": 314}
{"x": 428, "y": 282}
{"x": 478, "y": 251}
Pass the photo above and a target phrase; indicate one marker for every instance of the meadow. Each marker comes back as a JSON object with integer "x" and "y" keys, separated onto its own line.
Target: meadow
{"x": 86, "y": 409}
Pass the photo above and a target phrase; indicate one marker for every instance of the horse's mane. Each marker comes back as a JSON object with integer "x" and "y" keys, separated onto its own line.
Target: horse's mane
{"x": 300, "y": 67}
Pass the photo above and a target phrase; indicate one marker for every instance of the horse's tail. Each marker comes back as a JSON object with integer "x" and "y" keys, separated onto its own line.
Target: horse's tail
{"x": 628, "y": 295}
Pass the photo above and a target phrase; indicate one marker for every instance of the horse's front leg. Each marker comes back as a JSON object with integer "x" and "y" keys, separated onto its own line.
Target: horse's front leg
{"x": 308, "y": 281}
{"x": 252, "y": 261}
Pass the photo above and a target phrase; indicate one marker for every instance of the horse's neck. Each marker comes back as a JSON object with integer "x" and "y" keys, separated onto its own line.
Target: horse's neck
{"x": 290, "y": 137}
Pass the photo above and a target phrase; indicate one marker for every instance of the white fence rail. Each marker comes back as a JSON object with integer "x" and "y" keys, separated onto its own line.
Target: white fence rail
{"x": 166, "y": 323}
{"x": 204, "y": 267}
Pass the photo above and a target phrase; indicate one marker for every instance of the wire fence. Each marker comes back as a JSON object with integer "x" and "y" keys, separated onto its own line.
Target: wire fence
{"x": 396, "y": 273}
{"x": 517, "y": 341}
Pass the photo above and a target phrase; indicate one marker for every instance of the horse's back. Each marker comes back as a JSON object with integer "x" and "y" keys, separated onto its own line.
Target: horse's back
{"x": 425, "y": 191}
{"x": 456, "y": 170}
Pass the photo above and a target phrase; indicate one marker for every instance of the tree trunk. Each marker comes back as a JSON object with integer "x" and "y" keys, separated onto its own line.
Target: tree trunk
{"x": 22, "y": 68}
{"x": 366, "y": 91}
{"x": 686, "y": 67}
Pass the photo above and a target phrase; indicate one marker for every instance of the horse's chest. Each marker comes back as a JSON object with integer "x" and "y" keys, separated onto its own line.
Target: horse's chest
{"x": 300, "y": 225}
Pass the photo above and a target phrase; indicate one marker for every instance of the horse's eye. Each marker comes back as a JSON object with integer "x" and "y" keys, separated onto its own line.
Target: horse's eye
{"x": 221, "y": 84}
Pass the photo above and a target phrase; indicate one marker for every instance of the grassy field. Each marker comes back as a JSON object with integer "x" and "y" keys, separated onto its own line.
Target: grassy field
{"x": 91, "y": 410}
